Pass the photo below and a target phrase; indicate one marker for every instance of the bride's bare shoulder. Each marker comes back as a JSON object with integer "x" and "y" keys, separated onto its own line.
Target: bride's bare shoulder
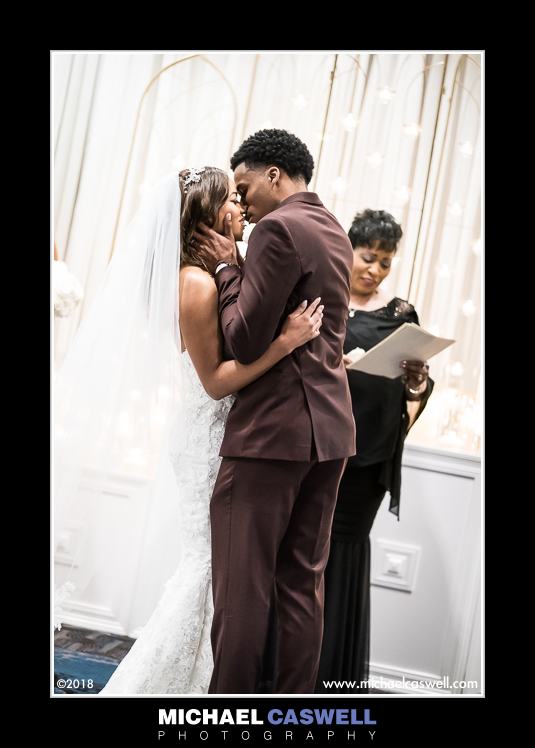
{"x": 196, "y": 278}
{"x": 196, "y": 285}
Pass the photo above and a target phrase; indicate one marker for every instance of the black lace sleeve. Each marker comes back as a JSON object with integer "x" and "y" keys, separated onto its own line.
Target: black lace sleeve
{"x": 398, "y": 311}
{"x": 405, "y": 311}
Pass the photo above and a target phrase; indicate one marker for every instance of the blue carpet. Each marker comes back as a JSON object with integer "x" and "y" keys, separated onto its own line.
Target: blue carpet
{"x": 79, "y": 672}
{"x": 82, "y": 655}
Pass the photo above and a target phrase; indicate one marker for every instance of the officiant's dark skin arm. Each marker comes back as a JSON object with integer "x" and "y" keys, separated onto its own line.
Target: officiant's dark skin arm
{"x": 201, "y": 336}
{"x": 251, "y": 305}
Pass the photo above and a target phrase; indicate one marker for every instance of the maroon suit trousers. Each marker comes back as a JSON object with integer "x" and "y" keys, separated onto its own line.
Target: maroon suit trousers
{"x": 270, "y": 523}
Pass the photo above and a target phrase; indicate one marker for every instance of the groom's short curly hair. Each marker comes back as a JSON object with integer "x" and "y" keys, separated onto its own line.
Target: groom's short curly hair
{"x": 277, "y": 147}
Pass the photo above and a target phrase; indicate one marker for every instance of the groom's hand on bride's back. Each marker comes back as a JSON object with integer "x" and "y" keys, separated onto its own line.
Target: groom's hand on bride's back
{"x": 214, "y": 248}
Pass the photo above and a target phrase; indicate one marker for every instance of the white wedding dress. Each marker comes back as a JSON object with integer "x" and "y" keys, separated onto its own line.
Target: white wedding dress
{"x": 173, "y": 653}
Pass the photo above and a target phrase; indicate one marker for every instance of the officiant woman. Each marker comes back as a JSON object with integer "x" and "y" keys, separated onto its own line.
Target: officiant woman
{"x": 384, "y": 411}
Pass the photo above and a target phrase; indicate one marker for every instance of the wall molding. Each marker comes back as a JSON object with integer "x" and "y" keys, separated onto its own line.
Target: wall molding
{"x": 95, "y": 617}
{"x": 441, "y": 461}
{"x": 379, "y": 671}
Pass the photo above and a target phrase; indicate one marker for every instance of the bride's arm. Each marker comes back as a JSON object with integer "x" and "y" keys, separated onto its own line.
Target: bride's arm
{"x": 200, "y": 330}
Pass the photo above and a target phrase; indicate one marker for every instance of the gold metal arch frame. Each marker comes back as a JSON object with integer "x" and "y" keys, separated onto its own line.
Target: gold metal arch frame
{"x": 413, "y": 288}
{"x": 332, "y": 76}
{"x": 138, "y": 116}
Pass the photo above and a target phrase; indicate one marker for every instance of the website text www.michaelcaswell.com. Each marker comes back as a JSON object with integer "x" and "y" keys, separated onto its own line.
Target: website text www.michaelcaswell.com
{"x": 391, "y": 684}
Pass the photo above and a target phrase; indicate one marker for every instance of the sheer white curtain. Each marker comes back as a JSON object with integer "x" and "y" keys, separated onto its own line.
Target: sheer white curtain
{"x": 91, "y": 126}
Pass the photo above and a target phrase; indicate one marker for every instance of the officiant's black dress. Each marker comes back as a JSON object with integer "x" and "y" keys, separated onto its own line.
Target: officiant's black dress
{"x": 379, "y": 408}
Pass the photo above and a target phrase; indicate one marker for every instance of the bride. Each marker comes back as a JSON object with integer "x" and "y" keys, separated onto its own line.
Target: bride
{"x": 153, "y": 331}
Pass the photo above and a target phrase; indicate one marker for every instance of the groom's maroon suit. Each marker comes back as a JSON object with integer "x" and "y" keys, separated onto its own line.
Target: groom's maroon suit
{"x": 286, "y": 442}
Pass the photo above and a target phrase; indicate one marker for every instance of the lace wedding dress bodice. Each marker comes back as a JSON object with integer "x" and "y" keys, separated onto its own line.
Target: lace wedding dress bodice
{"x": 173, "y": 652}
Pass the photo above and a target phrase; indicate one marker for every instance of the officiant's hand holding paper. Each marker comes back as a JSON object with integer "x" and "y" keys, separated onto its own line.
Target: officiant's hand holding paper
{"x": 353, "y": 356}
{"x": 415, "y": 378}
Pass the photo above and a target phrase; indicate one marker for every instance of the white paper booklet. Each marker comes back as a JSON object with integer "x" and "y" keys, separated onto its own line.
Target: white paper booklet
{"x": 408, "y": 343}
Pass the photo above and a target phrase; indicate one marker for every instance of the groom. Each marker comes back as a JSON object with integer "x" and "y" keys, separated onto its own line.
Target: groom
{"x": 289, "y": 433}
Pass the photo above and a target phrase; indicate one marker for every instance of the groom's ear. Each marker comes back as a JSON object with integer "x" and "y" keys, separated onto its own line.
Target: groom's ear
{"x": 273, "y": 175}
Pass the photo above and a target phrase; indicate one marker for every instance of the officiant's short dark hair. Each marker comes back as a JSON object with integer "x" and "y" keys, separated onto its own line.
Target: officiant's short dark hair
{"x": 277, "y": 147}
{"x": 372, "y": 226}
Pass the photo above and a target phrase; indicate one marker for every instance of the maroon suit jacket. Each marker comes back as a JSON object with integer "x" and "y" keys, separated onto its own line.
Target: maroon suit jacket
{"x": 298, "y": 251}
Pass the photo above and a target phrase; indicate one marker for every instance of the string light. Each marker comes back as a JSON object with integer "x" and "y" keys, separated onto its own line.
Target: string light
{"x": 300, "y": 102}
{"x": 350, "y": 122}
{"x": 466, "y": 148}
{"x": 402, "y": 194}
{"x": 469, "y": 308}
{"x": 455, "y": 209}
{"x": 386, "y": 94}
{"x": 412, "y": 128}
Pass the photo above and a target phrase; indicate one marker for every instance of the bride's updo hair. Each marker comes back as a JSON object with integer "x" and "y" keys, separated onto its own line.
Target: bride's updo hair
{"x": 203, "y": 193}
